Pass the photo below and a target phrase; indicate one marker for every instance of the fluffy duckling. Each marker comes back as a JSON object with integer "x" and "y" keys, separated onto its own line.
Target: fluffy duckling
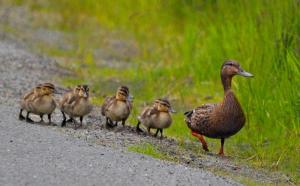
{"x": 39, "y": 101}
{"x": 157, "y": 116}
{"x": 117, "y": 108}
{"x": 220, "y": 120}
{"x": 24, "y": 102}
{"x": 75, "y": 104}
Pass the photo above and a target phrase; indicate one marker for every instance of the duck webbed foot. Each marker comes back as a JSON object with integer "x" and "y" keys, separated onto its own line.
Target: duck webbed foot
{"x": 71, "y": 120}
{"x": 201, "y": 139}
{"x": 21, "y": 117}
{"x": 221, "y": 152}
{"x": 110, "y": 123}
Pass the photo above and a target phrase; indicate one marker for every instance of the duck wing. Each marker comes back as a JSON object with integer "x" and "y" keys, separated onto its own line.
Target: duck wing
{"x": 199, "y": 117}
{"x": 107, "y": 102}
{"x": 147, "y": 112}
{"x": 68, "y": 99}
{"x": 28, "y": 95}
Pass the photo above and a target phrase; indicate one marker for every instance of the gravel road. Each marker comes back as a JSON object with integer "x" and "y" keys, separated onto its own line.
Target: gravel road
{"x": 33, "y": 154}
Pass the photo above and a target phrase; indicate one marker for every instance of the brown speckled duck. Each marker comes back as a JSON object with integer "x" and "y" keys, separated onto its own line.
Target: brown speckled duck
{"x": 117, "y": 108}
{"x": 157, "y": 116}
{"x": 220, "y": 120}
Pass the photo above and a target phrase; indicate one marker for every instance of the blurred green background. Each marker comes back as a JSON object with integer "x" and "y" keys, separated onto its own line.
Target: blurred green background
{"x": 175, "y": 49}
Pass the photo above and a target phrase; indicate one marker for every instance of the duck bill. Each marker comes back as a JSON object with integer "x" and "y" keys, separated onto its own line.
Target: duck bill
{"x": 130, "y": 97}
{"x": 172, "y": 110}
{"x": 244, "y": 73}
{"x": 85, "y": 95}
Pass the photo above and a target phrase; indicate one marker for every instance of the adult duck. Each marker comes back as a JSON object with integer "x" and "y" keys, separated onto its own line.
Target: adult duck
{"x": 220, "y": 120}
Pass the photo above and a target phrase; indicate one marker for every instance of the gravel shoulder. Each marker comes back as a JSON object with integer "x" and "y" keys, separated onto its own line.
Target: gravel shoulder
{"x": 37, "y": 155}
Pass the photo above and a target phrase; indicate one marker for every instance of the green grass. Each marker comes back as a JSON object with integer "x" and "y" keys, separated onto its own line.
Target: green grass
{"x": 149, "y": 149}
{"x": 180, "y": 46}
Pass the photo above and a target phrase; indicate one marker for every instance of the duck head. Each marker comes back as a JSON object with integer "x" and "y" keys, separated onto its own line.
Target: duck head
{"x": 229, "y": 69}
{"x": 82, "y": 90}
{"x": 123, "y": 94}
{"x": 163, "y": 105}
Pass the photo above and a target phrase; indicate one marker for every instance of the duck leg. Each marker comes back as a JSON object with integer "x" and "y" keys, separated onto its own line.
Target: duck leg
{"x": 202, "y": 140}
{"x": 221, "y": 152}
{"x": 123, "y": 122}
{"x": 138, "y": 129}
{"x": 49, "y": 118}
{"x": 149, "y": 130}
{"x": 81, "y": 119}
{"x": 70, "y": 120}
{"x": 63, "y": 123}
{"x": 157, "y": 130}
{"x": 75, "y": 124}
{"x": 116, "y": 123}
{"x": 41, "y": 116}
{"x": 109, "y": 122}
{"x": 28, "y": 119}
{"x": 161, "y": 134}
{"x": 21, "y": 117}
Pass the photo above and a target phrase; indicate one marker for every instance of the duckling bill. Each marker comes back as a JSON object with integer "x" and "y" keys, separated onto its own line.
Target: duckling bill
{"x": 75, "y": 104}
{"x": 157, "y": 117}
{"x": 220, "y": 120}
{"x": 117, "y": 108}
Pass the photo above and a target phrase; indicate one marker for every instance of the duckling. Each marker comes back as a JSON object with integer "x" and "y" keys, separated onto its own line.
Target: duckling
{"x": 220, "y": 120}
{"x": 40, "y": 101}
{"x": 75, "y": 104}
{"x": 157, "y": 116}
{"x": 28, "y": 97}
{"x": 117, "y": 108}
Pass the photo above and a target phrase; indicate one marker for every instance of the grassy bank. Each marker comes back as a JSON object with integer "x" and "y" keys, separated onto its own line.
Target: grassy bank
{"x": 175, "y": 49}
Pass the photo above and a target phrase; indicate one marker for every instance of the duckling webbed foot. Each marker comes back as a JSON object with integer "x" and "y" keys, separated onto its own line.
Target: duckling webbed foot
{"x": 201, "y": 139}
{"x": 21, "y": 117}
{"x": 71, "y": 120}
{"x": 109, "y": 123}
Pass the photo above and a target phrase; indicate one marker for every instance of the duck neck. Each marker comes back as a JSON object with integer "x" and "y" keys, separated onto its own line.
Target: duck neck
{"x": 226, "y": 81}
